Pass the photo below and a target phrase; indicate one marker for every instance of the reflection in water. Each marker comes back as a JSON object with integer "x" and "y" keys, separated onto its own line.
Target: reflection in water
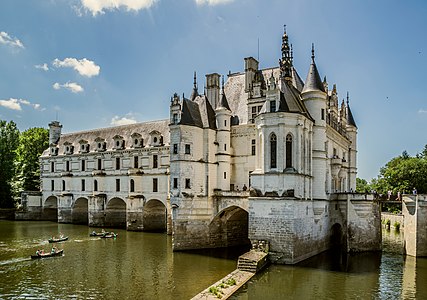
{"x": 333, "y": 275}
{"x": 142, "y": 266}
{"x": 134, "y": 266}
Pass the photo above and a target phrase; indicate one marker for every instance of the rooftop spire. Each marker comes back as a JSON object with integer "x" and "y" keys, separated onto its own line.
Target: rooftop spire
{"x": 223, "y": 103}
{"x": 312, "y": 52}
{"x": 287, "y": 57}
{"x": 313, "y": 81}
{"x": 195, "y": 91}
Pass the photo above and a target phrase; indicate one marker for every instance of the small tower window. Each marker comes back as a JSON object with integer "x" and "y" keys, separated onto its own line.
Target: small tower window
{"x": 135, "y": 162}
{"x": 117, "y": 163}
{"x": 175, "y": 119}
{"x": 289, "y": 151}
{"x": 155, "y": 161}
{"x": 52, "y": 185}
{"x": 95, "y": 185}
{"x": 63, "y": 185}
{"x": 155, "y": 185}
{"x": 67, "y": 166}
{"x": 117, "y": 185}
{"x": 187, "y": 183}
{"x": 99, "y": 164}
{"x": 83, "y": 185}
{"x": 273, "y": 106}
{"x": 52, "y": 166}
{"x": 175, "y": 148}
{"x": 175, "y": 183}
{"x": 132, "y": 185}
{"x": 253, "y": 149}
{"x": 322, "y": 113}
{"x": 273, "y": 151}
{"x": 83, "y": 165}
{"x": 187, "y": 149}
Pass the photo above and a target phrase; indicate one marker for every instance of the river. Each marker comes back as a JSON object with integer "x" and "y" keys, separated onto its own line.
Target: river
{"x": 142, "y": 266}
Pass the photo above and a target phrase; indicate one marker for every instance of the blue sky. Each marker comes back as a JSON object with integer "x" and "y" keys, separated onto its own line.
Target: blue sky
{"x": 94, "y": 63}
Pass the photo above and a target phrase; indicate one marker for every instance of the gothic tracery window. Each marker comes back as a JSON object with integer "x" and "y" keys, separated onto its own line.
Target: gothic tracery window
{"x": 273, "y": 151}
{"x": 289, "y": 151}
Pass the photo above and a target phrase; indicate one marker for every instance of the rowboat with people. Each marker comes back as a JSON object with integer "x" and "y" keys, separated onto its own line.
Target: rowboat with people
{"x": 61, "y": 238}
{"x": 102, "y": 233}
{"x": 109, "y": 235}
{"x": 42, "y": 254}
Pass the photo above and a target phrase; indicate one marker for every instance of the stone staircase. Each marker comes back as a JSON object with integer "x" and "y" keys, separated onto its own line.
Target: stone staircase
{"x": 252, "y": 261}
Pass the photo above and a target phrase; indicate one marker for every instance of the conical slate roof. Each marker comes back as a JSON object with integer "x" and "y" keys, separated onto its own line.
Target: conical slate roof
{"x": 296, "y": 80}
{"x": 224, "y": 103}
{"x": 350, "y": 119}
{"x": 191, "y": 114}
{"x": 313, "y": 81}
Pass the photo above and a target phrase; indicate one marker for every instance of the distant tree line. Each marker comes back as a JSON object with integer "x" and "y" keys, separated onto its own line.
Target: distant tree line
{"x": 19, "y": 161}
{"x": 401, "y": 174}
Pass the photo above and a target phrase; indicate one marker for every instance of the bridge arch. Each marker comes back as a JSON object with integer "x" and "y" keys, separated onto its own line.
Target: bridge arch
{"x": 80, "y": 211}
{"x": 230, "y": 227}
{"x": 154, "y": 217}
{"x": 115, "y": 213}
{"x": 50, "y": 208}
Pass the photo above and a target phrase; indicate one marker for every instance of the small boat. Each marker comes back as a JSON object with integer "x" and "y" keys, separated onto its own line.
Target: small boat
{"x": 48, "y": 254}
{"x": 57, "y": 240}
{"x": 93, "y": 233}
{"x": 109, "y": 235}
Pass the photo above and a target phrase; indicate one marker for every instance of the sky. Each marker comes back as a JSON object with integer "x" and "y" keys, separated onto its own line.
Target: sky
{"x": 100, "y": 63}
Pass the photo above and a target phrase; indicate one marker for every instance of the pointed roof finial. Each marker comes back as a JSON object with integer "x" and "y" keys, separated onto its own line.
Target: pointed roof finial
{"x": 292, "y": 52}
{"x": 312, "y": 51}
{"x": 195, "y": 80}
{"x": 348, "y": 98}
{"x": 195, "y": 91}
{"x": 284, "y": 28}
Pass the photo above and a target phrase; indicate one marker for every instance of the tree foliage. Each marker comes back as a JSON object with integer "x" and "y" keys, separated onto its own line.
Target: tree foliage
{"x": 9, "y": 140}
{"x": 32, "y": 143}
{"x": 362, "y": 186}
{"x": 402, "y": 174}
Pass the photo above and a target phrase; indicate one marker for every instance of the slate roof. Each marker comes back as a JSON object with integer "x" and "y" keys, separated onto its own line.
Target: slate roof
{"x": 350, "y": 119}
{"x": 108, "y": 133}
{"x": 191, "y": 114}
{"x": 313, "y": 81}
{"x": 207, "y": 113}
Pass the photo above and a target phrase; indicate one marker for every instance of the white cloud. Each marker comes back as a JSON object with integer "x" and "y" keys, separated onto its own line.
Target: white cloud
{"x": 212, "y": 2}
{"x": 422, "y": 111}
{"x": 83, "y": 66}
{"x": 11, "y": 41}
{"x": 100, "y": 6}
{"x": 43, "y": 67}
{"x": 72, "y": 86}
{"x": 116, "y": 121}
{"x": 15, "y": 104}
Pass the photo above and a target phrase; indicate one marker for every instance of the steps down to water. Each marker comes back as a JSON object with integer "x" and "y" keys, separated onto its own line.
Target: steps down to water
{"x": 252, "y": 261}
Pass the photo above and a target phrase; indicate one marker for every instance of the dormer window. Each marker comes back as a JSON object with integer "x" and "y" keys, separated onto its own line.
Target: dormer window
{"x": 84, "y": 146}
{"x": 101, "y": 144}
{"x": 54, "y": 150}
{"x": 156, "y": 139}
{"x": 119, "y": 142}
{"x": 137, "y": 140}
{"x": 68, "y": 148}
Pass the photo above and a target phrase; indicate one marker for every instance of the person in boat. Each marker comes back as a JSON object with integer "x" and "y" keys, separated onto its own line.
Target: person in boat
{"x": 37, "y": 252}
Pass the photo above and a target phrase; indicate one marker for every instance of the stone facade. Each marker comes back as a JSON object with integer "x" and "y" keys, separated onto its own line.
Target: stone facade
{"x": 414, "y": 209}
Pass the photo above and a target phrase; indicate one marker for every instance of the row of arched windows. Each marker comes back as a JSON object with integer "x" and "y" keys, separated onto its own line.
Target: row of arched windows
{"x": 273, "y": 151}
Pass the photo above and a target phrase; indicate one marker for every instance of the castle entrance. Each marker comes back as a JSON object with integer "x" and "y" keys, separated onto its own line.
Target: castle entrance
{"x": 230, "y": 227}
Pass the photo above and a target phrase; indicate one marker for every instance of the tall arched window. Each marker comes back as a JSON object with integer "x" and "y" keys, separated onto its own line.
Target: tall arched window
{"x": 289, "y": 151}
{"x": 273, "y": 151}
{"x": 132, "y": 186}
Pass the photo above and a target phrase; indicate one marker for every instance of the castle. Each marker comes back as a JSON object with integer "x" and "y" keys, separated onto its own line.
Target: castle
{"x": 263, "y": 156}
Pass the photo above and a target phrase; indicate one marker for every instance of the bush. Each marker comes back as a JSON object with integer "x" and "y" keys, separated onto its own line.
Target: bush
{"x": 396, "y": 226}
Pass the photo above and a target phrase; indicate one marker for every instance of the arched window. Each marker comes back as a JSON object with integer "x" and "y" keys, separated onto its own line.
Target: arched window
{"x": 132, "y": 186}
{"x": 95, "y": 185}
{"x": 273, "y": 151}
{"x": 289, "y": 151}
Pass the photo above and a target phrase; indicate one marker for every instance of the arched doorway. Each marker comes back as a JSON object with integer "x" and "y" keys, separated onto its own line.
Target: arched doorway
{"x": 230, "y": 227}
{"x": 115, "y": 213}
{"x": 154, "y": 217}
{"x": 336, "y": 240}
{"x": 79, "y": 212}
{"x": 50, "y": 209}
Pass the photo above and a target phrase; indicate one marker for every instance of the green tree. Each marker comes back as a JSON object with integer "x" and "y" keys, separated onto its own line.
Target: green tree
{"x": 9, "y": 139}
{"x": 403, "y": 173}
{"x": 362, "y": 186}
{"x": 32, "y": 143}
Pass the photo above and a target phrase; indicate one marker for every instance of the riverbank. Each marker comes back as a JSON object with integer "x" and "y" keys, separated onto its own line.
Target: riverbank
{"x": 7, "y": 213}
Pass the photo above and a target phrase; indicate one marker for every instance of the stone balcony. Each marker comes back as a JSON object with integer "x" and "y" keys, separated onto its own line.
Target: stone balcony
{"x": 98, "y": 173}
{"x": 66, "y": 174}
{"x": 135, "y": 172}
